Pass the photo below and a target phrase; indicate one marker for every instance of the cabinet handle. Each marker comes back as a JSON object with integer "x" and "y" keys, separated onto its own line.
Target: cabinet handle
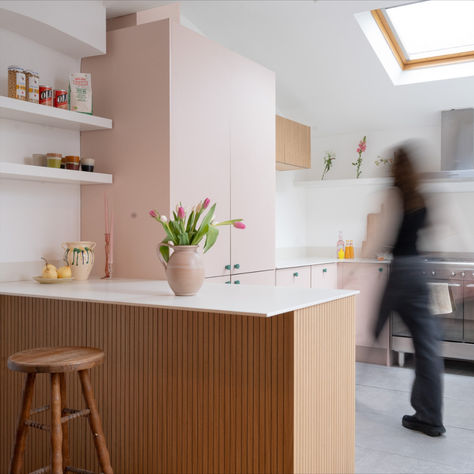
{"x": 296, "y": 274}
{"x": 237, "y": 282}
{"x": 237, "y": 266}
{"x": 227, "y": 282}
{"x": 227, "y": 267}
{"x": 380, "y": 269}
{"x": 325, "y": 270}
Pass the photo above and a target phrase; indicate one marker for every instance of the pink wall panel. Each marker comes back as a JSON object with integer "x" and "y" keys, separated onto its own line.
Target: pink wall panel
{"x": 133, "y": 90}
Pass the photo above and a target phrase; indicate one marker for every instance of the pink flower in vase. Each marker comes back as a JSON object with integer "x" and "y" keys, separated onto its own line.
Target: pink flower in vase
{"x": 239, "y": 225}
{"x": 181, "y": 213}
{"x": 153, "y": 214}
{"x": 206, "y": 203}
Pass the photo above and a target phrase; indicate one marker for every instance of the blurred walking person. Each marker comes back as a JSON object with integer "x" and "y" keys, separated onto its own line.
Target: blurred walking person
{"x": 407, "y": 293}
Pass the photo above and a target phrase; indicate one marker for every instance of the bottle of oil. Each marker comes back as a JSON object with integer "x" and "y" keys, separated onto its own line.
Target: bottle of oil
{"x": 340, "y": 246}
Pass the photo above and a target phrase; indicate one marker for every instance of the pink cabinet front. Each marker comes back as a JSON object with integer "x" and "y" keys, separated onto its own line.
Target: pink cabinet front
{"x": 199, "y": 131}
{"x": 252, "y": 137}
{"x": 266, "y": 278}
{"x": 370, "y": 279}
{"x": 324, "y": 276}
{"x": 296, "y": 276}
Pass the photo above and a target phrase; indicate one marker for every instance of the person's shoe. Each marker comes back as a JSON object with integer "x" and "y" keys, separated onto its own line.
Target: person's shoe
{"x": 413, "y": 423}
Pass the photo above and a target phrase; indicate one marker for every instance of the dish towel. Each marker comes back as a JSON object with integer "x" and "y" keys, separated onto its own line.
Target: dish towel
{"x": 441, "y": 299}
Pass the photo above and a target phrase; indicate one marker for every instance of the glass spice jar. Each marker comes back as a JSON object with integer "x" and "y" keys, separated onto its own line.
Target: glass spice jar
{"x": 16, "y": 83}
{"x": 72, "y": 162}
{"x": 32, "y": 86}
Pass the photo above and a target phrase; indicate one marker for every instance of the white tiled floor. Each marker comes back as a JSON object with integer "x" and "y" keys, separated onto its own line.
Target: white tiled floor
{"x": 384, "y": 446}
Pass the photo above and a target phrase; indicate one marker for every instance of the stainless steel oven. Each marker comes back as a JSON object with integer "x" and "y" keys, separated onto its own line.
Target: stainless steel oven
{"x": 457, "y": 327}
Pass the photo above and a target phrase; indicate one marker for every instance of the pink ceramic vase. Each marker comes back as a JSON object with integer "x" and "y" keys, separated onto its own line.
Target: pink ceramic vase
{"x": 184, "y": 270}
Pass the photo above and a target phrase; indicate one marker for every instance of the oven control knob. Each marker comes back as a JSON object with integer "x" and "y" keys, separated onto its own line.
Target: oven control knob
{"x": 433, "y": 273}
{"x": 453, "y": 274}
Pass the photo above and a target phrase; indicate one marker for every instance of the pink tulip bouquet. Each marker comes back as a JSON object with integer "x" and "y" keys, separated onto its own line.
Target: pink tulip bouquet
{"x": 360, "y": 149}
{"x": 185, "y": 229}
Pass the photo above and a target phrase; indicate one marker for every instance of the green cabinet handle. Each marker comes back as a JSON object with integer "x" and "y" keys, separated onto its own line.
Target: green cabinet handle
{"x": 380, "y": 269}
{"x": 227, "y": 282}
{"x": 237, "y": 266}
{"x": 227, "y": 267}
{"x": 325, "y": 270}
{"x": 296, "y": 274}
{"x": 237, "y": 282}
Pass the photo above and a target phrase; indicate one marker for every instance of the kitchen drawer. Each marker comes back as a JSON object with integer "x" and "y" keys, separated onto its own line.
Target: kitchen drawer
{"x": 219, "y": 279}
{"x": 324, "y": 276}
{"x": 295, "y": 276}
{"x": 266, "y": 278}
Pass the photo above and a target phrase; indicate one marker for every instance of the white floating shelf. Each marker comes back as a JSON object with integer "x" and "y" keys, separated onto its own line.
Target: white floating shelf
{"x": 15, "y": 109}
{"x": 51, "y": 175}
{"x": 440, "y": 185}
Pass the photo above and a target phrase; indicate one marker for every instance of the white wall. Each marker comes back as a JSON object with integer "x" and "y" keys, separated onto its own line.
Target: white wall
{"x": 35, "y": 217}
{"x": 328, "y": 209}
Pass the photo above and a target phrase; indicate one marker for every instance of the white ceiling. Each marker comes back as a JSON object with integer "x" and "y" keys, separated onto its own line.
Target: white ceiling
{"x": 327, "y": 74}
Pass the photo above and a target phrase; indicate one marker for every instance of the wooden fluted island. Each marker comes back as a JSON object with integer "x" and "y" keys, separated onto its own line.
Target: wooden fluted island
{"x": 237, "y": 379}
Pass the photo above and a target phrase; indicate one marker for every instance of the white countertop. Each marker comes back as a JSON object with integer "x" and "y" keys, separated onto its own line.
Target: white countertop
{"x": 213, "y": 297}
{"x": 306, "y": 261}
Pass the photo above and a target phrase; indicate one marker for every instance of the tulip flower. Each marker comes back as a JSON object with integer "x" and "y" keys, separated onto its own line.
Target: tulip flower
{"x": 181, "y": 213}
{"x": 198, "y": 208}
{"x": 206, "y": 203}
{"x": 163, "y": 219}
{"x": 153, "y": 214}
{"x": 239, "y": 225}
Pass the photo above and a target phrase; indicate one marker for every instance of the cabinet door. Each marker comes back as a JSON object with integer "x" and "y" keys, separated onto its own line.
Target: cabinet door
{"x": 266, "y": 278}
{"x": 199, "y": 130}
{"x": 296, "y": 276}
{"x": 324, "y": 276}
{"x": 370, "y": 279}
{"x": 252, "y": 157}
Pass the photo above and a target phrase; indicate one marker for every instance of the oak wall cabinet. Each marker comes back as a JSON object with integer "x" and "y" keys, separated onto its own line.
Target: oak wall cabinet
{"x": 192, "y": 120}
{"x": 293, "y": 145}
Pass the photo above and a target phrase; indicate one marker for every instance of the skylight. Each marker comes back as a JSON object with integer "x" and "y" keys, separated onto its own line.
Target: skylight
{"x": 429, "y": 32}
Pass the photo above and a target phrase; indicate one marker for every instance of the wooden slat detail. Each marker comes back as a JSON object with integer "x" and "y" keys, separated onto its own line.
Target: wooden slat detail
{"x": 324, "y": 388}
{"x": 179, "y": 392}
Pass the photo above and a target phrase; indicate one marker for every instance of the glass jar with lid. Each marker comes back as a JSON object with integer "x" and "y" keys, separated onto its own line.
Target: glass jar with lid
{"x": 32, "y": 86}
{"x": 16, "y": 83}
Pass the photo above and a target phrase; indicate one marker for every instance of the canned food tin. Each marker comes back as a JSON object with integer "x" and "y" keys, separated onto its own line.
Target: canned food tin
{"x": 60, "y": 99}
{"x": 46, "y": 95}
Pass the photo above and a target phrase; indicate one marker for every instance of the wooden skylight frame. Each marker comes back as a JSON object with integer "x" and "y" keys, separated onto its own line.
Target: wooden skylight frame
{"x": 398, "y": 52}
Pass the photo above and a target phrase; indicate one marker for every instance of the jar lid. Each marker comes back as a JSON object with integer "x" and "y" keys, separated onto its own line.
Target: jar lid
{"x": 15, "y": 68}
{"x": 30, "y": 71}
{"x": 54, "y": 155}
{"x": 72, "y": 158}
{"x": 60, "y": 90}
{"x": 45, "y": 87}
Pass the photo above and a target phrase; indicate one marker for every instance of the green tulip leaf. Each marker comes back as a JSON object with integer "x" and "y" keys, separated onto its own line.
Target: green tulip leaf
{"x": 211, "y": 237}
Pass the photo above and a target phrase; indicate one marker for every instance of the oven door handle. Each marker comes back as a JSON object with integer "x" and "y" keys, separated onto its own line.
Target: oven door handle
{"x": 471, "y": 285}
{"x": 455, "y": 284}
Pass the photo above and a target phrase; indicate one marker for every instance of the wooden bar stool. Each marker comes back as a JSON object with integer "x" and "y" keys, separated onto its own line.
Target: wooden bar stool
{"x": 56, "y": 361}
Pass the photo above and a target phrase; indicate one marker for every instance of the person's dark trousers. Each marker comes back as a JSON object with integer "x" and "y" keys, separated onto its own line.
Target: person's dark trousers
{"x": 407, "y": 294}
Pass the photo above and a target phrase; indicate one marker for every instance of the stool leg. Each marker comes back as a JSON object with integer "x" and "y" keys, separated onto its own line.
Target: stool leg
{"x": 66, "y": 459}
{"x": 21, "y": 431}
{"x": 56, "y": 428}
{"x": 95, "y": 424}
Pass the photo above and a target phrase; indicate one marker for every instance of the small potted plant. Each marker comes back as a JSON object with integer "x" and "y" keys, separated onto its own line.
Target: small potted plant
{"x": 178, "y": 251}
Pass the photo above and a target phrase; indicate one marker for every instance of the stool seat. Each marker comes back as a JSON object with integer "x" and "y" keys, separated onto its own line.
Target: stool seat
{"x": 53, "y": 360}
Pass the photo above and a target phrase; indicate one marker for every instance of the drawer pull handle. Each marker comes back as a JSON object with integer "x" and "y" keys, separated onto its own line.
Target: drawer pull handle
{"x": 380, "y": 269}
{"x": 325, "y": 270}
{"x": 296, "y": 274}
{"x": 227, "y": 267}
{"x": 227, "y": 282}
{"x": 237, "y": 282}
{"x": 237, "y": 266}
